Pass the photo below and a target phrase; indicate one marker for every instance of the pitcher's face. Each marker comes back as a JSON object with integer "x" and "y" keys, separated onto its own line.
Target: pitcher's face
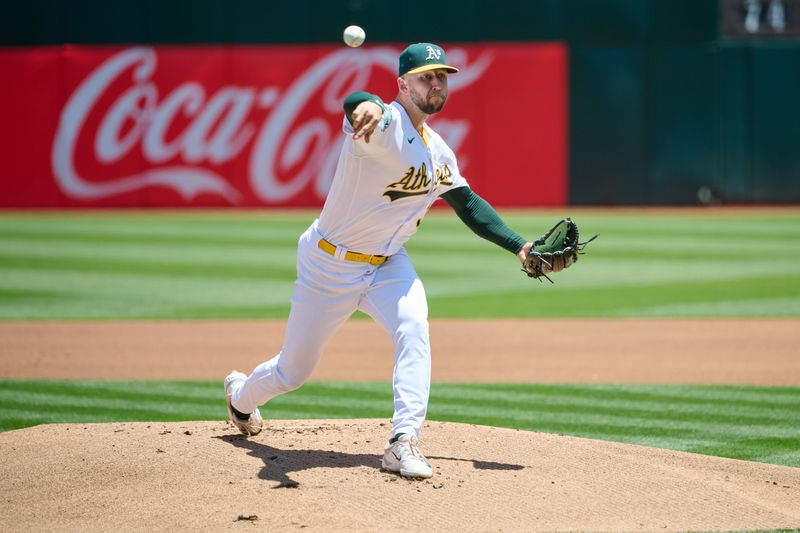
{"x": 428, "y": 90}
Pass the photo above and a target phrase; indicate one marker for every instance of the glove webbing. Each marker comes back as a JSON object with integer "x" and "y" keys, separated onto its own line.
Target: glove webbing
{"x": 578, "y": 247}
{"x": 581, "y": 245}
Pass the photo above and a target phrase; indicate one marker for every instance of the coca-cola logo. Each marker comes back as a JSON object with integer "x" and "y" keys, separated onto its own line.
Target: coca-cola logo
{"x": 286, "y": 148}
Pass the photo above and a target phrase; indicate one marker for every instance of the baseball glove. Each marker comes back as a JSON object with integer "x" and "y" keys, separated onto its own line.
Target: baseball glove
{"x": 554, "y": 251}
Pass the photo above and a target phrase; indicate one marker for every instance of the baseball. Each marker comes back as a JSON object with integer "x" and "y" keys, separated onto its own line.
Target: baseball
{"x": 354, "y": 36}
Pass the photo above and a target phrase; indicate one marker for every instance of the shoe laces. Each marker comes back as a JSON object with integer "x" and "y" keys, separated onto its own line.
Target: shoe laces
{"x": 410, "y": 446}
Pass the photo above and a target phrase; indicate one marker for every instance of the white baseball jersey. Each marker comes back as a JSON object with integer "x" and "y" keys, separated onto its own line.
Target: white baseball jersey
{"x": 383, "y": 189}
{"x": 380, "y": 192}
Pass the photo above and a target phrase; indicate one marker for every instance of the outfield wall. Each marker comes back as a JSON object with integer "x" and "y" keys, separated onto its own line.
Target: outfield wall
{"x": 664, "y": 102}
{"x": 250, "y": 126}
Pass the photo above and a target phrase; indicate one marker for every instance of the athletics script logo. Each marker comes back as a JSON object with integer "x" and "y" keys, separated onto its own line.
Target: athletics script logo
{"x": 273, "y": 141}
{"x": 415, "y": 182}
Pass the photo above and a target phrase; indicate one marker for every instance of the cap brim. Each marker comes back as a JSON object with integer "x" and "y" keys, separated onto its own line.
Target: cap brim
{"x": 433, "y": 66}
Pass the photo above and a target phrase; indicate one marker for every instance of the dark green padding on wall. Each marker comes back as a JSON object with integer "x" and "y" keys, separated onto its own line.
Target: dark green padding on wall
{"x": 607, "y": 125}
{"x": 775, "y": 145}
{"x": 663, "y": 111}
{"x": 36, "y": 22}
{"x": 683, "y": 125}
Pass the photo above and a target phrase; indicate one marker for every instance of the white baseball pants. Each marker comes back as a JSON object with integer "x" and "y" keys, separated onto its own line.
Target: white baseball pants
{"x": 327, "y": 291}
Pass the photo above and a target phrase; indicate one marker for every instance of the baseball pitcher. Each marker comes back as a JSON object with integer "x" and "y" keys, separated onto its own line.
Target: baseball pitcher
{"x": 391, "y": 169}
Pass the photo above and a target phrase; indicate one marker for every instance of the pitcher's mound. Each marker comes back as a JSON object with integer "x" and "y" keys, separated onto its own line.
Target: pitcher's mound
{"x": 325, "y": 475}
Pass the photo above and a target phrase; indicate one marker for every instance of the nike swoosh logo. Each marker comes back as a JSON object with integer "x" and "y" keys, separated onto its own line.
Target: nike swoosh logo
{"x": 410, "y": 140}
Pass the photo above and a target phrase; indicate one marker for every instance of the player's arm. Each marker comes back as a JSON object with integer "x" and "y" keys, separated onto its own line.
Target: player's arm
{"x": 365, "y": 112}
{"x": 484, "y": 221}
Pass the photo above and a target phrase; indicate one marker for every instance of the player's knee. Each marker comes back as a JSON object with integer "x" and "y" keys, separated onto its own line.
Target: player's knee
{"x": 413, "y": 330}
{"x": 292, "y": 378}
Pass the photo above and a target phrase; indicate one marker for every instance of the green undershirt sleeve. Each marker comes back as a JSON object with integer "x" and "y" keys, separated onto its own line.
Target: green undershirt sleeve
{"x": 482, "y": 219}
{"x": 353, "y": 99}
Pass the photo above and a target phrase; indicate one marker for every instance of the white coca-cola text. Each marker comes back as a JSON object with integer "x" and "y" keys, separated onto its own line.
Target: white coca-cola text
{"x": 222, "y": 126}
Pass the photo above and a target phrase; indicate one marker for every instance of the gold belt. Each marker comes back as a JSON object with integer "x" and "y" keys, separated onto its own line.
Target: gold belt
{"x": 354, "y": 256}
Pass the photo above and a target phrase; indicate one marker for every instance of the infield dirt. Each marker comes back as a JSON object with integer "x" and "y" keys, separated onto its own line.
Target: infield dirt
{"x": 696, "y": 351}
{"x": 325, "y": 475}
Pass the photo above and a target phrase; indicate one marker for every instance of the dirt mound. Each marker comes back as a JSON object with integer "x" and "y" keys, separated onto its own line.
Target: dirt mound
{"x": 325, "y": 475}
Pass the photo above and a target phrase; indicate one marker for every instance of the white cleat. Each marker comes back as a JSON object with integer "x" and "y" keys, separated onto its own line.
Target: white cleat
{"x": 403, "y": 456}
{"x": 254, "y": 424}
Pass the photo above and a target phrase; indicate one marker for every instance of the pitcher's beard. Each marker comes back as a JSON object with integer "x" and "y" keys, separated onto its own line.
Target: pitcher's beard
{"x": 428, "y": 107}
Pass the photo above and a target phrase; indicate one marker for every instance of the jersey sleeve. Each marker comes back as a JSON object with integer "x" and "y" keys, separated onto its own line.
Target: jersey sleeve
{"x": 352, "y": 101}
{"x": 447, "y": 175}
{"x": 458, "y": 180}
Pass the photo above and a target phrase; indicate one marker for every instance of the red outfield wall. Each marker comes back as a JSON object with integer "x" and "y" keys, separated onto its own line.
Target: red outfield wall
{"x": 259, "y": 126}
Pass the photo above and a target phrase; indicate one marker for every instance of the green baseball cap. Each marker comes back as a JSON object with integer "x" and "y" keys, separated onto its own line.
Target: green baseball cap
{"x": 420, "y": 57}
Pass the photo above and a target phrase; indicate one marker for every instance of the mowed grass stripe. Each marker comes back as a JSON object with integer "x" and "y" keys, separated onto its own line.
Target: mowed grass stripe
{"x": 178, "y": 227}
{"x": 727, "y": 413}
{"x": 149, "y": 252}
{"x": 709, "y": 224}
{"x": 125, "y": 295}
{"x": 151, "y": 266}
{"x": 162, "y": 404}
{"x": 624, "y": 300}
{"x": 608, "y": 421}
{"x": 55, "y": 278}
{"x": 230, "y": 238}
{"x": 700, "y": 419}
{"x": 631, "y": 245}
{"x": 611, "y": 412}
{"x": 230, "y": 264}
{"x": 726, "y": 408}
{"x": 762, "y": 397}
{"x": 674, "y": 234}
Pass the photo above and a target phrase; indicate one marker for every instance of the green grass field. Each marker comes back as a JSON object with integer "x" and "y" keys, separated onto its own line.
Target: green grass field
{"x": 106, "y": 265}
{"x": 755, "y": 423}
{"x": 119, "y": 265}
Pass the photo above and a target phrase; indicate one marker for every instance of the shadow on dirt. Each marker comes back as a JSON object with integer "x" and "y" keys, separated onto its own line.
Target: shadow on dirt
{"x": 279, "y": 463}
{"x": 481, "y": 465}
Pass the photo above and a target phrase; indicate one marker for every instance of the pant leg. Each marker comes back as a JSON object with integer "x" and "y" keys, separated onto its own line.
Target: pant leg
{"x": 326, "y": 293}
{"x": 396, "y": 300}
